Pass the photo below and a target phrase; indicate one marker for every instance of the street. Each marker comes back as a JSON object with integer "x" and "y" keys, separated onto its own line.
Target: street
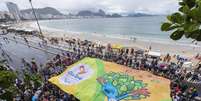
{"x": 14, "y": 50}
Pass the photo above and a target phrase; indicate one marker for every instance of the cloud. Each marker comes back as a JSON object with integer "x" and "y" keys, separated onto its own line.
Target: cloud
{"x": 118, "y": 6}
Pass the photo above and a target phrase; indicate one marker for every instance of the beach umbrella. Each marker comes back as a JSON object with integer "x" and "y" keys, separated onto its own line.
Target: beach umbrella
{"x": 162, "y": 65}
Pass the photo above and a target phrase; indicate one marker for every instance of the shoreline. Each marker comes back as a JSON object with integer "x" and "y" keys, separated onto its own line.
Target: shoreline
{"x": 164, "y": 48}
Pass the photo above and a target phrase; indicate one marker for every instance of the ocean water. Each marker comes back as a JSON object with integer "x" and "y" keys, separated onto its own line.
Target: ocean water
{"x": 142, "y": 28}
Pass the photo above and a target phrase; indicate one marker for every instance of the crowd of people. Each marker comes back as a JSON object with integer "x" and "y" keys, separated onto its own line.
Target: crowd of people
{"x": 138, "y": 59}
{"x": 42, "y": 90}
{"x": 133, "y": 58}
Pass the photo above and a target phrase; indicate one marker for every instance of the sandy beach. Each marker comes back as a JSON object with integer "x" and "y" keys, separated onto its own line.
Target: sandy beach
{"x": 164, "y": 48}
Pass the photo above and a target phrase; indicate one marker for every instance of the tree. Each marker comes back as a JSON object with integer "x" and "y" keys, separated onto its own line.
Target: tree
{"x": 8, "y": 90}
{"x": 7, "y": 81}
{"x": 35, "y": 78}
{"x": 186, "y": 21}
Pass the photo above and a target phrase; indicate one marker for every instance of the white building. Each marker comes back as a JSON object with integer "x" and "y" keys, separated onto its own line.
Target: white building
{"x": 28, "y": 16}
{"x": 45, "y": 16}
{"x": 3, "y": 13}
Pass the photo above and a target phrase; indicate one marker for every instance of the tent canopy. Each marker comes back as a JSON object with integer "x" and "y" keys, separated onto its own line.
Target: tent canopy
{"x": 117, "y": 46}
{"x": 156, "y": 54}
{"x": 188, "y": 65}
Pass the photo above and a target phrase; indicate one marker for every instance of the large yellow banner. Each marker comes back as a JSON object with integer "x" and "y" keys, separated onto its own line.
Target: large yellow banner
{"x": 96, "y": 80}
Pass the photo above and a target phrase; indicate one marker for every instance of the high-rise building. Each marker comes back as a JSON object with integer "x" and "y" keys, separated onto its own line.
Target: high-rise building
{"x": 14, "y": 10}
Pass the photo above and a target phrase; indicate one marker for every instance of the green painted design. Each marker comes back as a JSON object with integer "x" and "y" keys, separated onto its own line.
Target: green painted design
{"x": 123, "y": 86}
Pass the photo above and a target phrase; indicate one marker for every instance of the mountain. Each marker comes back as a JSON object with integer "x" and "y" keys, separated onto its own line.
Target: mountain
{"x": 116, "y": 15}
{"x": 42, "y": 13}
{"x": 46, "y": 10}
{"x": 139, "y": 15}
{"x": 85, "y": 13}
{"x": 100, "y": 13}
{"x": 90, "y": 13}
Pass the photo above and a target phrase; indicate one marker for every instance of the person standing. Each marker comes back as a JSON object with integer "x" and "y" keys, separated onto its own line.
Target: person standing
{"x": 34, "y": 66}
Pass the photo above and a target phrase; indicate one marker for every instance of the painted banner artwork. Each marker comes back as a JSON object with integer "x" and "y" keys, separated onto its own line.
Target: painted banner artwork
{"x": 92, "y": 79}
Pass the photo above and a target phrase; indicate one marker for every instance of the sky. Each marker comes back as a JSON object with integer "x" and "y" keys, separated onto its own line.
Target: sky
{"x": 110, "y": 6}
